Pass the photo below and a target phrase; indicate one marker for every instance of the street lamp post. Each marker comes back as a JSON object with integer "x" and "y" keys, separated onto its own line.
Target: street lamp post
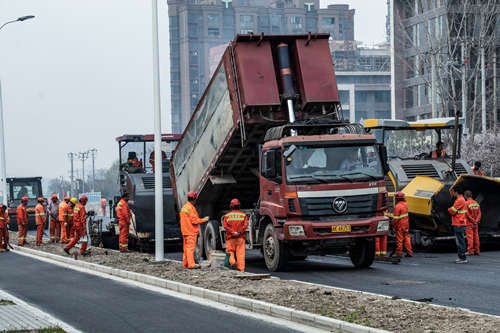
{"x": 2, "y": 128}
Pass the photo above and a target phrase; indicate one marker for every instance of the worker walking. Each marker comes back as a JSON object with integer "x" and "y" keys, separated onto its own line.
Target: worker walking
{"x": 235, "y": 225}
{"x": 473, "y": 217}
{"x": 459, "y": 222}
{"x": 53, "y": 214}
{"x": 401, "y": 225}
{"x": 40, "y": 219}
{"x": 22, "y": 222}
{"x": 124, "y": 215}
{"x": 70, "y": 231}
{"x": 4, "y": 228}
{"x": 63, "y": 217}
{"x": 79, "y": 226}
{"x": 190, "y": 226}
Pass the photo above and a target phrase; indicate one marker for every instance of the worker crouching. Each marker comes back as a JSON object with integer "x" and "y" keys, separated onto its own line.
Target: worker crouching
{"x": 401, "y": 225}
{"x": 79, "y": 226}
{"x": 40, "y": 219}
{"x": 124, "y": 215}
{"x": 190, "y": 227}
{"x": 235, "y": 225}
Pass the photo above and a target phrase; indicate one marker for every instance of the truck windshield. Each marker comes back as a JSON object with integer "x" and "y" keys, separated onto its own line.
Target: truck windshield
{"x": 410, "y": 143}
{"x": 30, "y": 189}
{"x": 306, "y": 164}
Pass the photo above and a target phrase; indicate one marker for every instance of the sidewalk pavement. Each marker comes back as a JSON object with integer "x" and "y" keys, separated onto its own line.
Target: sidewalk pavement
{"x": 16, "y": 315}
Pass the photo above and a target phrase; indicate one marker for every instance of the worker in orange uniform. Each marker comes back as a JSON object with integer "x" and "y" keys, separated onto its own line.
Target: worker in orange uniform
{"x": 104, "y": 202}
{"x": 459, "y": 222}
{"x": 4, "y": 228}
{"x": 70, "y": 230}
{"x": 80, "y": 226}
{"x": 401, "y": 225}
{"x": 190, "y": 226}
{"x": 235, "y": 225}
{"x": 477, "y": 169}
{"x": 439, "y": 152}
{"x": 152, "y": 158}
{"x": 123, "y": 213}
{"x": 63, "y": 220}
{"x": 22, "y": 222}
{"x": 381, "y": 242}
{"x": 40, "y": 219}
{"x": 473, "y": 217}
{"x": 53, "y": 215}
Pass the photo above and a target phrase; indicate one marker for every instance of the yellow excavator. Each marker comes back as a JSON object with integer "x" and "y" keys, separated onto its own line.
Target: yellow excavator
{"x": 426, "y": 180}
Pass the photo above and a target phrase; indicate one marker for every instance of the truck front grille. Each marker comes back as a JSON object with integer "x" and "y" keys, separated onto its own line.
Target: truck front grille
{"x": 413, "y": 170}
{"x": 356, "y": 204}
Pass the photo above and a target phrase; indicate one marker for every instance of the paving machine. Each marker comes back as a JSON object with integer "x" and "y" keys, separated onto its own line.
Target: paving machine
{"x": 18, "y": 187}
{"x": 426, "y": 181}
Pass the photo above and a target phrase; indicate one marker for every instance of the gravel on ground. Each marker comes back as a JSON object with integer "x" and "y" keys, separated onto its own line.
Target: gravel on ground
{"x": 376, "y": 311}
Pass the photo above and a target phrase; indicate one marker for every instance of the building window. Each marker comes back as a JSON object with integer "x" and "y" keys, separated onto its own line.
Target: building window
{"x": 227, "y": 3}
{"x": 243, "y": 2}
{"x": 213, "y": 32}
{"x": 382, "y": 97}
{"x": 263, "y": 24}
{"x": 246, "y": 24}
{"x": 344, "y": 97}
{"x": 311, "y": 24}
{"x": 213, "y": 20}
{"x": 276, "y": 24}
{"x": 309, "y": 6}
{"x": 228, "y": 20}
{"x": 328, "y": 21}
{"x": 296, "y": 22}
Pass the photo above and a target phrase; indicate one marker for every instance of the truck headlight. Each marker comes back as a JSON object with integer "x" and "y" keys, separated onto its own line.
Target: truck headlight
{"x": 383, "y": 226}
{"x": 296, "y": 230}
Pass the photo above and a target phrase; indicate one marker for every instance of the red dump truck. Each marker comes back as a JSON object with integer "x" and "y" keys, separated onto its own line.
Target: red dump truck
{"x": 268, "y": 130}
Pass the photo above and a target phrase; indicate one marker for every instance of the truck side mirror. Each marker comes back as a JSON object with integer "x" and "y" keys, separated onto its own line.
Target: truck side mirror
{"x": 269, "y": 165}
{"x": 383, "y": 156}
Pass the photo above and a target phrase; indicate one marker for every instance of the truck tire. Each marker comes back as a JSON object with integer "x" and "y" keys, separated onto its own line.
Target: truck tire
{"x": 199, "y": 250}
{"x": 363, "y": 253}
{"x": 212, "y": 239}
{"x": 275, "y": 251}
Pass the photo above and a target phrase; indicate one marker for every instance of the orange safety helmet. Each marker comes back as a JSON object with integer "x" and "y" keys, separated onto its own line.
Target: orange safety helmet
{"x": 67, "y": 198}
{"x": 24, "y": 199}
{"x": 399, "y": 196}
{"x": 192, "y": 195}
{"x": 234, "y": 202}
{"x": 84, "y": 198}
{"x": 40, "y": 199}
{"x": 54, "y": 196}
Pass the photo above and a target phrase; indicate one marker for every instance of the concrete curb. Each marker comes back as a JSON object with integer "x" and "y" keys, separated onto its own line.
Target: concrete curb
{"x": 249, "y": 304}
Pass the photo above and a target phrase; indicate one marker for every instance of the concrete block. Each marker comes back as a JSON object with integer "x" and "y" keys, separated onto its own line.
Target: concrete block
{"x": 211, "y": 295}
{"x": 172, "y": 285}
{"x": 303, "y": 317}
{"x": 158, "y": 282}
{"x": 327, "y": 323}
{"x": 196, "y": 291}
{"x": 184, "y": 288}
{"x": 353, "y": 328}
{"x": 243, "y": 302}
{"x": 261, "y": 307}
{"x": 281, "y": 312}
{"x": 226, "y": 299}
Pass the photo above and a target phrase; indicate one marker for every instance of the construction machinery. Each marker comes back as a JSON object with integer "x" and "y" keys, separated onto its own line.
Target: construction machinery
{"x": 269, "y": 131}
{"x": 426, "y": 181}
{"x": 19, "y": 187}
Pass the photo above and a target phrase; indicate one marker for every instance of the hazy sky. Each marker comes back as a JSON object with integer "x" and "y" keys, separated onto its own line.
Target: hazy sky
{"x": 80, "y": 74}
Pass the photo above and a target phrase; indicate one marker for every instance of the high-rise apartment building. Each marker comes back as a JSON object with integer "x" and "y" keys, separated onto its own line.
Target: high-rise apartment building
{"x": 198, "y": 28}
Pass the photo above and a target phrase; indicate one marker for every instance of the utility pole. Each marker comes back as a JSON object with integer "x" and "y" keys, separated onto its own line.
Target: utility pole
{"x": 83, "y": 156}
{"x": 464, "y": 90}
{"x": 433, "y": 86}
{"x": 72, "y": 175}
{"x": 2, "y": 147}
{"x": 93, "y": 153}
{"x": 483, "y": 91}
{"x": 495, "y": 120}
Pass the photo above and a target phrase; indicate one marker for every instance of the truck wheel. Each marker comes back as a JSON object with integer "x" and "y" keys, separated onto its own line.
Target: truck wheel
{"x": 363, "y": 253}
{"x": 212, "y": 240}
{"x": 275, "y": 251}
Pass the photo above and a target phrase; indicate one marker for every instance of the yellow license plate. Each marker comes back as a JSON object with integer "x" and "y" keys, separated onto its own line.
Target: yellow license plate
{"x": 341, "y": 228}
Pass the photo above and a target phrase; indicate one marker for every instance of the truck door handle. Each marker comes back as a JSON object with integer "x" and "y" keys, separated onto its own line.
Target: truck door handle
{"x": 269, "y": 192}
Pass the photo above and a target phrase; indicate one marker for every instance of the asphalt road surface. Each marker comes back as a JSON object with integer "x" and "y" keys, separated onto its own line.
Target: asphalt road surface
{"x": 430, "y": 277}
{"x": 94, "y": 304}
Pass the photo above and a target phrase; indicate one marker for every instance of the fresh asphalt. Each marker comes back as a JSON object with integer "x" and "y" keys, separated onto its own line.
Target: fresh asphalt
{"x": 427, "y": 277}
{"x": 91, "y": 303}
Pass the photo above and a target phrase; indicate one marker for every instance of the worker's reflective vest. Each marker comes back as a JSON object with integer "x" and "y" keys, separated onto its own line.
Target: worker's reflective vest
{"x": 435, "y": 154}
{"x": 458, "y": 211}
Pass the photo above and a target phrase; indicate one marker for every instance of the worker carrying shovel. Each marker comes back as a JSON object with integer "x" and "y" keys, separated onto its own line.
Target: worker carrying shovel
{"x": 235, "y": 224}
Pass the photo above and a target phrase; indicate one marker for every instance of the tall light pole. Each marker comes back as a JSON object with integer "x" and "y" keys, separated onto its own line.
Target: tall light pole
{"x": 71, "y": 177}
{"x": 159, "y": 251}
{"x": 83, "y": 156}
{"x": 2, "y": 135}
{"x": 93, "y": 153}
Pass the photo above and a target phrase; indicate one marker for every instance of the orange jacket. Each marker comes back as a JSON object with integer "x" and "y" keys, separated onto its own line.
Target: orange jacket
{"x": 190, "y": 220}
{"x": 473, "y": 214}
{"x": 400, "y": 215}
{"x": 40, "y": 214}
{"x": 22, "y": 215}
{"x": 71, "y": 214}
{"x": 235, "y": 222}
{"x": 80, "y": 216}
{"x": 104, "y": 202}
{"x": 123, "y": 212}
{"x": 4, "y": 220}
{"x": 477, "y": 172}
{"x": 458, "y": 211}
{"x": 63, "y": 211}
{"x": 435, "y": 154}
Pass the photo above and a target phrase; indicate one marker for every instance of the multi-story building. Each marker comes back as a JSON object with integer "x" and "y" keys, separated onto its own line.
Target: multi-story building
{"x": 199, "y": 27}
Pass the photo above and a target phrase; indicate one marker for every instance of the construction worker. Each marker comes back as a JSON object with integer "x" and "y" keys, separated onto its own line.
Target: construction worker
{"x": 459, "y": 222}
{"x": 4, "y": 228}
{"x": 401, "y": 225}
{"x": 80, "y": 226}
{"x": 40, "y": 219}
{"x": 22, "y": 222}
{"x": 473, "y": 217}
{"x": 235, "y": 224}
{"x": 123, "y": 213}
{"x": 439, "y": 152}
{"x": 63, "y": 220}
{"x": 381, "y": 242}
{"x": 53, "y": 214}
{"x": 477, "y": 169}
{"x": 190, "y": 222}
{"x": 152, "y": 158}
{"x": 104, "y": 203}
{"x": 70, "y": 231}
